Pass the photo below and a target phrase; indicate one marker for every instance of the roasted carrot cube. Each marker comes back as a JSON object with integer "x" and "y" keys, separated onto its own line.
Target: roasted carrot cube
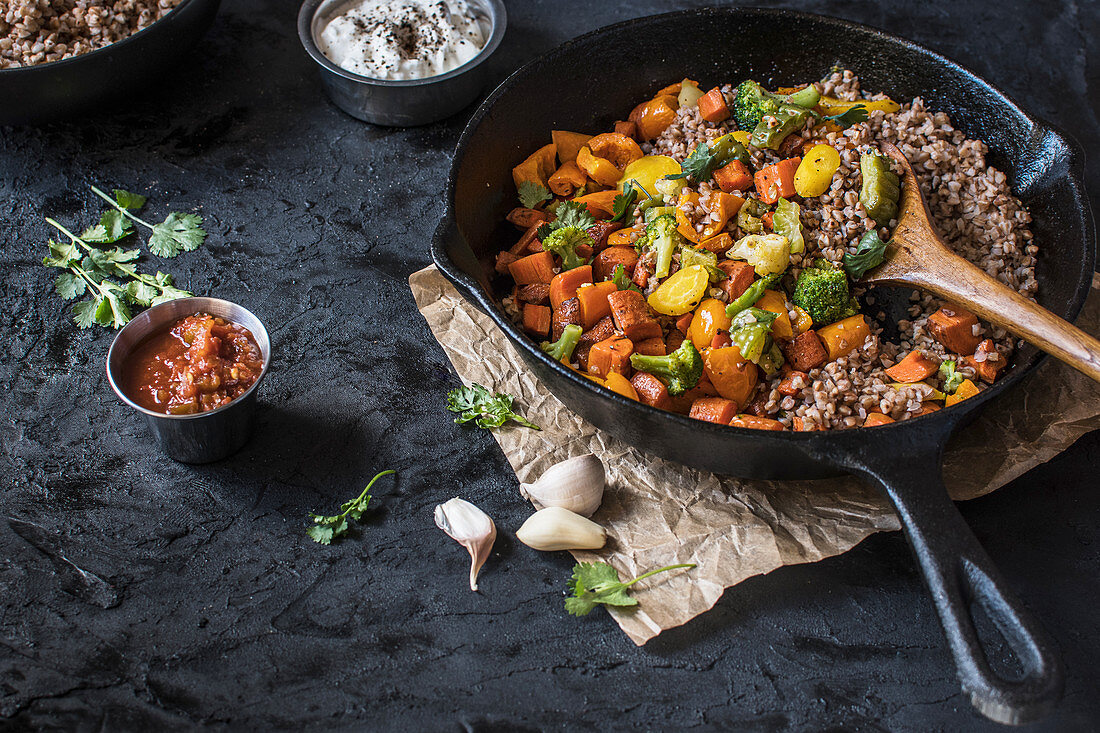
{"x": 650, "y": 347}
{"x": 536, "y": 319}
{"x": 610, "y": 355}
{"x": 564, "y": 285}
{"x": 603, "y": 267}
{"x": 632, "y": 315}
{"x": 739, "y": 277}
{"x": 756, "y": 423}
{"x": 805, "y": 352}
{"x": 594, "y": 304}
{"x": 651, "y": 391}
{"x": 915, "y": 367}
{"x": 536, "y": 268}
{"x": 713, "y": 107}
{"x": 713, "y": 409}
{"x": 955, "y": 329}
{"x": 733, "y": 176}
{"x": 987, "y": 369}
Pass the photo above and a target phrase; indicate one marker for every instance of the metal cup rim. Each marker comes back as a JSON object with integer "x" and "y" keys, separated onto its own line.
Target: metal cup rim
{"x": 150, "y": 315}
{"x": 307, "y": 13}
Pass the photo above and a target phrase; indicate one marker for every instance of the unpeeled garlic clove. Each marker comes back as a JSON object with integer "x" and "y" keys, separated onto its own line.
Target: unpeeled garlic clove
{"x": 575, "y": 484}
{"x": 469, "y": 526}
{"x": 554, "y": 528}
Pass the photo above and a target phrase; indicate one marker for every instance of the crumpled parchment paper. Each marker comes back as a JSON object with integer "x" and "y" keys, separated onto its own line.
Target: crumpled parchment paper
{"x": 658, "y": 513}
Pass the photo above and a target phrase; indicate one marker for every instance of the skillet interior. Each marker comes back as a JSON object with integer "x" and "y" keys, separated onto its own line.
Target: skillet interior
{"x": 588, "y": 83}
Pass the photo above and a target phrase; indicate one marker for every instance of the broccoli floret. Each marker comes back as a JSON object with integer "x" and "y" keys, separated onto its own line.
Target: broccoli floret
{"x": 680, "y": 370}
{"x": 951, "y": 378}
{"x": 751, "y": 104}
{"x": 661, "y": 237}
{"x": 822, "y": 291}
{"x": 564, "y": 242}
{"x": 562, "y": 349}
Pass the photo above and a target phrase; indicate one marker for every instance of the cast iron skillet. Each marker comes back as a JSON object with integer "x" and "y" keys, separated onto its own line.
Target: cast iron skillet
{"x": 593, "y": 80}
{"x": 93, "y": 81}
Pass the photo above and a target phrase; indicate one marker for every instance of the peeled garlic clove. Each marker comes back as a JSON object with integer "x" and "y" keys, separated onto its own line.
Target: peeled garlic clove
{"x": 554, "y": 528}
{"x": 468, "y": 526}
{"x": 575, "y": 484}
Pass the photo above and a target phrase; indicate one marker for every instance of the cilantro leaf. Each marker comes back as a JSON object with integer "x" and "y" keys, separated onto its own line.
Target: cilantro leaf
{"x": 532, "y": 194}
{"x": 112, "y": 227}
{"x": 325, "y": 529}
{"x": 595, "y": 583}
{"x": 61, "y": 255}
{"x": 486, "y": 409}
{"x": 177, "y": 233}
{"x": 868, "y": 255}
{"x": 851, "y": 116}
{"x": 699, "y": 165}
{"x": 623, "y": 204}
{"x": 69, "y": 286}
{"x": 622, "y": 282}
{"x": 572, "y": 214}
{"x": 84, "y": 312}
{"x": 127, "y": 200}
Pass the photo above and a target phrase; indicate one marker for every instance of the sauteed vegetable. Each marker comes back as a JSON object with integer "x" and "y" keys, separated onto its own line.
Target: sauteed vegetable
{"x": 702, "y": 255}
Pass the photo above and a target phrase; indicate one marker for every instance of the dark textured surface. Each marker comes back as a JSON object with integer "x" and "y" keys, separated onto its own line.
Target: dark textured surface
{"x": 139, "y": 593}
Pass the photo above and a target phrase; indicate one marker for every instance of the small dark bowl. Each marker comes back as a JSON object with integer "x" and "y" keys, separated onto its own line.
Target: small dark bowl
{"x": 88, "y": 82}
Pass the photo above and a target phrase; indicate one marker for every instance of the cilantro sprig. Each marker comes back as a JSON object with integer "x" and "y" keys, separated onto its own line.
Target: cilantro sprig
{"x": 109, "y": 276}
{"x": 326, "y": 529}
{"x": 622, "y": 282}
{"x": 622, "y": 206}
{"x": 851, "y": 116}
{"x": 486, "y": 409}
{"x": 595, "y": 583}
{"x": 869, "y": 254}
{"x": 532, "y": 194}
{"x": 177, "y": 233}
{"x": 567, "y": 214}
{"x": 702, "y": 162}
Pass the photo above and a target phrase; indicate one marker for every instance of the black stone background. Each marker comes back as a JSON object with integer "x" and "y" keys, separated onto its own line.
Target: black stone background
{"x": 136, "y": 593}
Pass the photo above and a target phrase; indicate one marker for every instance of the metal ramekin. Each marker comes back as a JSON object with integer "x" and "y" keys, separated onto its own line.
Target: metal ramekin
{"x": 400, "y": 103}
{"x": 206, "y": 436}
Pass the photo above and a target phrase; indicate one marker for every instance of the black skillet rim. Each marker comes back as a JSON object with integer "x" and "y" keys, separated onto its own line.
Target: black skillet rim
{"x": 945, "y": 420}
{"x": 66, "y": 64}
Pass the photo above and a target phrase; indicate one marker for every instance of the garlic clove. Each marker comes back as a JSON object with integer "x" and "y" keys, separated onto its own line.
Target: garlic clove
{"x": 575, "y": 484}
{"x": 554, "y": 528}
{"x": 470, "y": 527}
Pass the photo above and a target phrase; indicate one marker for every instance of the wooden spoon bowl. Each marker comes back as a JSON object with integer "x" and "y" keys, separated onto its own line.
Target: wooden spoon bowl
{"x": 916, "y": 256}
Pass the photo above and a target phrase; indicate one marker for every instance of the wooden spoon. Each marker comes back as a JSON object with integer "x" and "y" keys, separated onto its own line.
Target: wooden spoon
{"x": 916, "y": 256}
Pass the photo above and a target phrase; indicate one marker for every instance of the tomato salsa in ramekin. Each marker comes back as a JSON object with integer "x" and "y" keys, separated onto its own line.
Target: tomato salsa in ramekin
{"x": 197, "y": 364}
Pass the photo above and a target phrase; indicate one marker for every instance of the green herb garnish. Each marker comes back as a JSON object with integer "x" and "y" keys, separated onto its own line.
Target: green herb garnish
{"x": 532, "y": 194}
{"x": 177, "y": 233}
{"x": 851, "y": 116}
{"x": 868, "y": 255}
{"x": 326, "y": 529}
{"x": 109, "y": 276}
{"x": 594, "y": 583}
{"x": 623, "y": 205}
{"x": 622, "y": 282}
{"x": 486, "y": 409}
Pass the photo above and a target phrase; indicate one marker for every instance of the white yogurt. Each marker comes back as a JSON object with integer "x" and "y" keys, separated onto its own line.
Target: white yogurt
{"x": 403, "y": 39}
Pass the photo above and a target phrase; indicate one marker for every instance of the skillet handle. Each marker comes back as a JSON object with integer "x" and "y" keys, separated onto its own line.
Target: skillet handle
{"x": 961, "y": 575}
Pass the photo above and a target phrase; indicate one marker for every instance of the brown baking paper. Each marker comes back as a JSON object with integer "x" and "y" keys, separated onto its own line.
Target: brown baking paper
{"x": 658, "y": 513}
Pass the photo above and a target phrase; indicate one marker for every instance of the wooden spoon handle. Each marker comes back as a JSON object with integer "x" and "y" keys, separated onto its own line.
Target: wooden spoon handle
{"x": 955, "y": 279}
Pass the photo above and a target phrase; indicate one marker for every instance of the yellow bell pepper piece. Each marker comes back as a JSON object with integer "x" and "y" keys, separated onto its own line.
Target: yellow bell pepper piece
{"x": 710, "y": 318}
{"x": 965, "y": 391}
{"x": 815, "y": 172}
{"x": 774, "y": 301}
{"x": 830, "y": 106}
{"x": 621, "y": 385}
